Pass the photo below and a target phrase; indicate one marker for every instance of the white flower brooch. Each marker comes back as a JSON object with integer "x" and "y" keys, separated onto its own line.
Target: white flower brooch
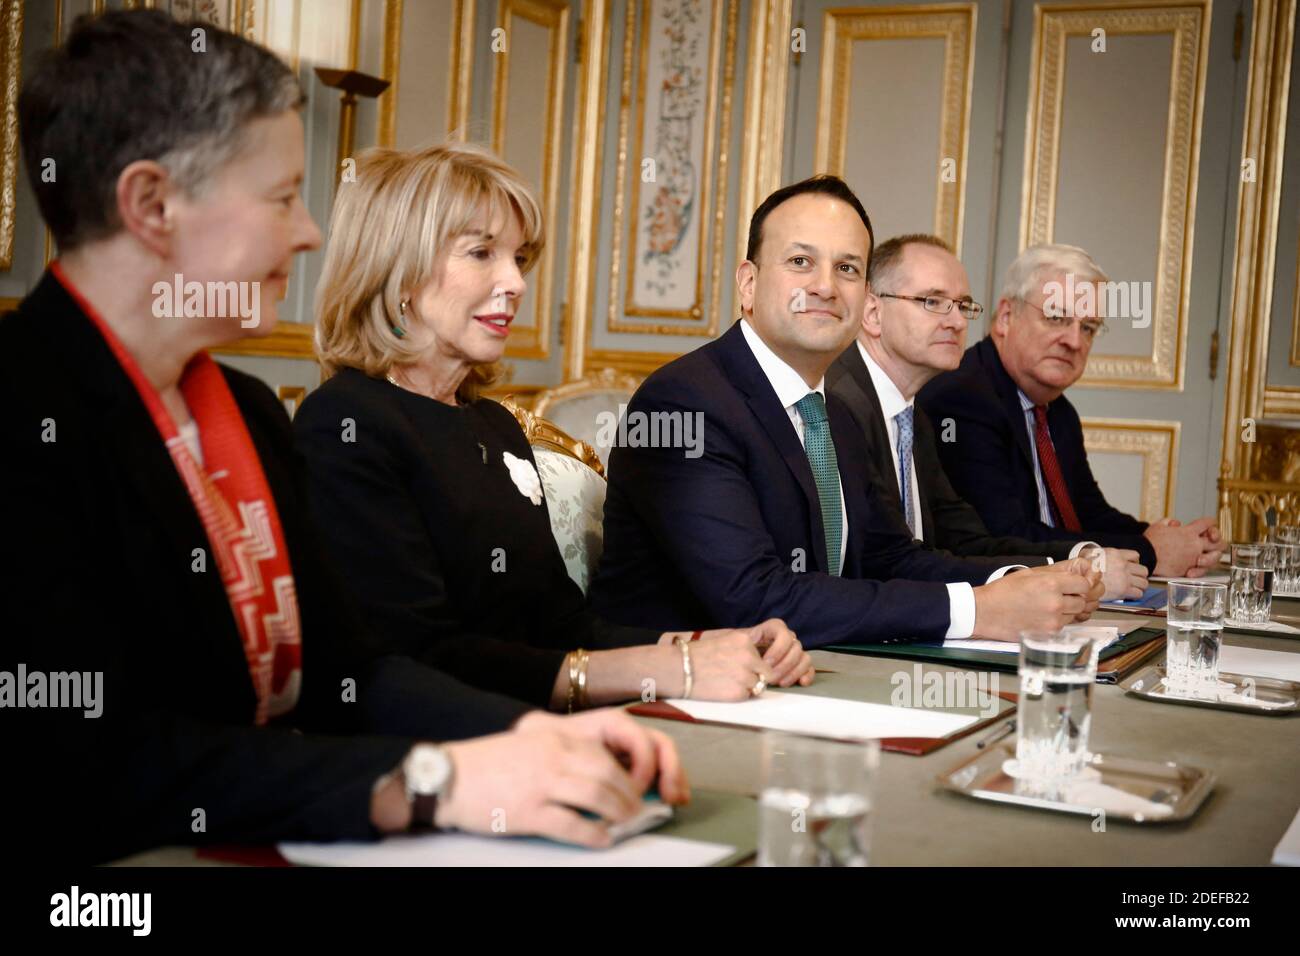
{"x": 524, "y": 475}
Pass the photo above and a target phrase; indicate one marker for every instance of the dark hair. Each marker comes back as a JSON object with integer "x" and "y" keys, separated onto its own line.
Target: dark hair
{"x": 885, "y": 260}
{"x": 823, "y": 183}
{"x": 137, "y": 84}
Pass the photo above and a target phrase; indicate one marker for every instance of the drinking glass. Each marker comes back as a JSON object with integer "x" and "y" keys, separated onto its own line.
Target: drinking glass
{"x": 815, "y": 803}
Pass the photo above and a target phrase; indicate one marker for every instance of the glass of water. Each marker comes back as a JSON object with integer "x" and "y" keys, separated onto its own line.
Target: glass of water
{"x": 1057, "y": 671}
{"x": 1286, "y": 570}
{"x": 815, "y": 805}
{"x": 1250, "y": 584}
{"x": 1193, "y": 634}
{"x": 1286, "y": 534}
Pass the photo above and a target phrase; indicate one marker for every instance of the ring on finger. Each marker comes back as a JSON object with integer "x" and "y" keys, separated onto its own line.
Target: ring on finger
{"x": 759, "y": 686}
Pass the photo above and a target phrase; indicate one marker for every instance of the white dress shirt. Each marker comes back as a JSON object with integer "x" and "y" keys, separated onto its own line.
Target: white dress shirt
{"x": 1044, "y": 506}
{"x": 892, "y": 403}
{"x": 790, "y": 388}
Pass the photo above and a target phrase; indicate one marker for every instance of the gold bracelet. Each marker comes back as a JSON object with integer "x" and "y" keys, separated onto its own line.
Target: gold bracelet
{"x": 571, "y": 660}
{"x": 583, "y": 700}
{"x": 689, "y": 684}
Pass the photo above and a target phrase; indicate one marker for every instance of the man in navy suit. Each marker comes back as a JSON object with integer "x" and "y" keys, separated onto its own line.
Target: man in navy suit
{"x": 777, "y": 516}
{"x": 918, "y": 307}
{"x": 1018, "y": 454}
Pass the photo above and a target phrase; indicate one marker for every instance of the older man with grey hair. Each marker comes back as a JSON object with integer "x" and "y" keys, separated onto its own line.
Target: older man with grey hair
{"x": 1017, "y": 452}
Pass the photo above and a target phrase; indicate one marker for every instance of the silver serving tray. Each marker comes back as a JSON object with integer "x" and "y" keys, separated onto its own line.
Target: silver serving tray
{"x": 1251, "y": 695}
{"x": 1291, "y": 619}
{"x": 1139, "y": 791}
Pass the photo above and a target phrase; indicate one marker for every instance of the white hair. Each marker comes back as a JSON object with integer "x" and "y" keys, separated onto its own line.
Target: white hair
{"x": 1033, "y": 266}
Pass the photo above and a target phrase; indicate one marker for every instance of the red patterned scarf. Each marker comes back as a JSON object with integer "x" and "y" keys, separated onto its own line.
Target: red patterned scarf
{"x": 231, "y": 495}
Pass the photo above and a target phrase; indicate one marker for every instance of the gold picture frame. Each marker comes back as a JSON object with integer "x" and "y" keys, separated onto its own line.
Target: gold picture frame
{"x": 1155, "y": 441}
{"x": 1189, "y": 23}
{"x": 11, "y": 46}
{"x": 954, "y": 23}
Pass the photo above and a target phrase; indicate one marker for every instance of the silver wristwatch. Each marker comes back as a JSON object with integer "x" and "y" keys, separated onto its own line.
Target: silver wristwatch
{"x": 427, "y": 772}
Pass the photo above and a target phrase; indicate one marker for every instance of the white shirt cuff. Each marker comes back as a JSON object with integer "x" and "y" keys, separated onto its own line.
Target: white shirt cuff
{"x": 961, "y": 611}
{"x": 1074, "y": 552}
{"x": 1001, "y": 571}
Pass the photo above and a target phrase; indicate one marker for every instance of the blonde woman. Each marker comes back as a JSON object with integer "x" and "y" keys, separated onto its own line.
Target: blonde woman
{"x": 427, "y": 492}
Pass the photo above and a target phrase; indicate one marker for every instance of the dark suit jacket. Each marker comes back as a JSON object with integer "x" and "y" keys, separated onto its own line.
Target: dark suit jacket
{"x": 947, "y": 522}
{"x": 991, "y": 465}
{"x": 97, "y": 577}
{"x": 416, "y": 510}
{"x": 714, "y": 539}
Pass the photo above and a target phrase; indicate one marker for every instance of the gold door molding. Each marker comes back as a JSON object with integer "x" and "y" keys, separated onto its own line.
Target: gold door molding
{"x": 954, "y": 23}
{"x": 1295, "y": 312}
{"x": 553, "y": 16}
{"x": 460, "y": 65}
{"x": 1155, "y": 441}
{"x": 11, "y": 51}
{"x": 391, "y": 59}
{"x": 1247, "y": 395}
{"x": 1188, "y": 23}
{"x": 763, "y": 145}
{"x": 294, "y": 340}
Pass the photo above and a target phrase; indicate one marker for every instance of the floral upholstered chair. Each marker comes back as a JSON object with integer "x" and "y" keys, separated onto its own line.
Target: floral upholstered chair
{"x": 573, "y": 481}
{"x": 589, "y": 408}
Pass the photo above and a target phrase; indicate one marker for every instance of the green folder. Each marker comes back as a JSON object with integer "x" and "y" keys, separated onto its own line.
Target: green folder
{"x": 992, "y": 660}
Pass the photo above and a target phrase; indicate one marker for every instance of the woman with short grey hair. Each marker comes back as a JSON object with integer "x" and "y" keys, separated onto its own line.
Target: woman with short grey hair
{"x": 158, "y": 543}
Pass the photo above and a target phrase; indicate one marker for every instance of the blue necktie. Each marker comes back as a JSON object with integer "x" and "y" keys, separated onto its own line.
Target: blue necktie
{"x": 904, "y": 419}
{"x": 826, "y": 472}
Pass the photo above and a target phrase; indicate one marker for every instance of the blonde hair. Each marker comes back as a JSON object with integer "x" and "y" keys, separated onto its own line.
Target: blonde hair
{"x": 388, "y": 233}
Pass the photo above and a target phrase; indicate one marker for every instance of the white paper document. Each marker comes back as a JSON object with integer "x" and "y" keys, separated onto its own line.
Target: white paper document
{"x": 1253, "y": 662}
{"x": 462, "y": 849}
{"x": 1288, "y": 851}
{"x": 827, "y": 716}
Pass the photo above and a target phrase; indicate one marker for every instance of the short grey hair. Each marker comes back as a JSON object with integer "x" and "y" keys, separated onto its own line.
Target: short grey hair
{"x": 130, "y": 85}
{"x": 1033, "y": 265}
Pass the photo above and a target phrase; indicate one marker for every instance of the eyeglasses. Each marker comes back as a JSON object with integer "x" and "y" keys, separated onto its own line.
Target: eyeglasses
{"x": 940, "y": 304}
{"x": 1091, "y": 328}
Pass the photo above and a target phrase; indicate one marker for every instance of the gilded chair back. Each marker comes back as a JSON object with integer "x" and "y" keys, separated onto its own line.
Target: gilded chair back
{"x": 573, "y": 480}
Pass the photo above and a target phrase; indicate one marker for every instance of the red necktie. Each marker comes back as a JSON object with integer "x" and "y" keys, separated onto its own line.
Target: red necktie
{"x": 1052, "y": 471}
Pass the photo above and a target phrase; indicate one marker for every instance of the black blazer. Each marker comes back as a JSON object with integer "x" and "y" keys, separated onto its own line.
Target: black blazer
{"x": 453, "y": 566}
{"x": 947, "y": 522}
{"x": 719, "y": 539}
{"x": 97, "y": 577}
{"x": 991, "y": 466}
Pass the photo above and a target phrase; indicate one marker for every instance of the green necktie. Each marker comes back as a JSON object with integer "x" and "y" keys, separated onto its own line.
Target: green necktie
{"x": 826, "y": 472}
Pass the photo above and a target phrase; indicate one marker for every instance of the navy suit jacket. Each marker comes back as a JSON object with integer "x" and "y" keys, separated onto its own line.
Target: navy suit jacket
{"x": 991, "y": 465}
{"x": 947, "y": 522}
{"x": 735, "y": 536}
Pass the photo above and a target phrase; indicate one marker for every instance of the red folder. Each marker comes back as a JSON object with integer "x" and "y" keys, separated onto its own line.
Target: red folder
{"x": 913, "y": 746}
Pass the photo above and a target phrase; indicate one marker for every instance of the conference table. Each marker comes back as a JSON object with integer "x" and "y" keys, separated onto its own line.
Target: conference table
{"x": 1255, "y": 759}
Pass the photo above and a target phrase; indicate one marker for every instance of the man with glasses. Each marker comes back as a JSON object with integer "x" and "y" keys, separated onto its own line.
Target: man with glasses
{"x": 775, "y": 516}
{"x": 1016, "y": 451}
{"x": 913, "y": 328}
